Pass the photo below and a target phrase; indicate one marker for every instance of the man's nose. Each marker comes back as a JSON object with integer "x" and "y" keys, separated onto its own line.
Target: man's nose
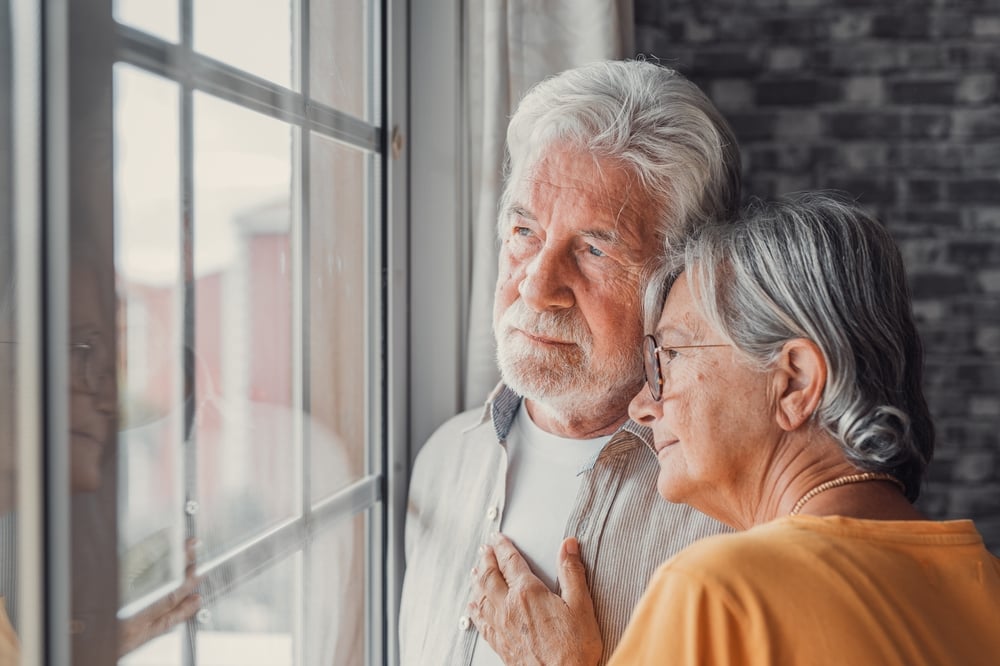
{"x": 546, "y": 283}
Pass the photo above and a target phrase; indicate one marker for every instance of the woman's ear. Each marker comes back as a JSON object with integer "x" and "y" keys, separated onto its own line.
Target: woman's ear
{"x": 800, "y": 378}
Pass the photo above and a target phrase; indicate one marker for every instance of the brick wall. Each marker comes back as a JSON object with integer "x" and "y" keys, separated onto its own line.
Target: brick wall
{"x": 897, "y": 103}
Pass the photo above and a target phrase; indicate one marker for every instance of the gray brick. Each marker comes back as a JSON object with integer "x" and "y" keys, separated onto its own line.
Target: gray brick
{"x": 863, "y": 125}
{"x": 989, "y": 281}
{"x": 901, "y": 26}
{"x": 867, "y": 156}
{"x": 753, "y": 125}
{"x": 732, "y": 94}
{"x": 796, "y": 92}
{"x": 976, "y": 123}
{"x": 922, "y": 92}
{"x": 786, "y": 59}
{"x": 987, "y": 340}
{"x": 930, "y": 156}
{"x": 984, "y": 218}
{"x": 977, "y": 89}
{"x": 794, "y": 123}
{"x": 938, "y": 284}
{"x": 977, "y": 190}
{"x": 986, "y": 26}
{"x": 927, "y": 124}
{"x": 864, "y": 90}
{"x": 851, "y": 26}
{"x": 727, "y": 61}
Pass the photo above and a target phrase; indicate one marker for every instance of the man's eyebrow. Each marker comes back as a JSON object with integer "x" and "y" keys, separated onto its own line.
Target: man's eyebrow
{"x": 521, "y": 211}
{"x": 605, "y": 235}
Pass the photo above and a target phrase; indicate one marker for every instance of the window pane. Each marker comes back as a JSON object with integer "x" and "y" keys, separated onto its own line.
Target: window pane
{"x": 339, "y": 337}
{"x": 246, "y": 454}
{"x": 148, "y": 279}
{"x": 256, "y": 622}
{"x": 8, "y": 355}
{"x": 160, "y": 18}
{"x": 256, "y": 37}
{"x": 341, "y": 44}
{"x": 335, "y": 606}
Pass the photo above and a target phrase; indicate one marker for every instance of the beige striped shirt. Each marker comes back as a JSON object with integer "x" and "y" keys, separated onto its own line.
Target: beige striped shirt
{"x": 457, "y": 497}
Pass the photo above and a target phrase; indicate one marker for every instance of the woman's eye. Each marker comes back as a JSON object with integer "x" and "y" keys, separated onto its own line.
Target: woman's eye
{"x": 671, "y": 354}
{"x": 522, "y": 231}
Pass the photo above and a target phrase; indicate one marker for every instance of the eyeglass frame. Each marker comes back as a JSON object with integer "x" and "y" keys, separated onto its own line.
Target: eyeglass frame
{"x": 652, "y": 366}
{"x": 82, "y": 370}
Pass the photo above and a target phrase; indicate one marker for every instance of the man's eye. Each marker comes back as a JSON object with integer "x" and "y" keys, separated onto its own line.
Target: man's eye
{"x": 671, "y": 353}
{"x": 522, "y": 231}
{"x": 595, "y": 251}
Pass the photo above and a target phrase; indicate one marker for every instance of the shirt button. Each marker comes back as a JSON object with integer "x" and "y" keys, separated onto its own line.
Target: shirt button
{"x": 464, "y": 623}
{"x": 492, "y": 513}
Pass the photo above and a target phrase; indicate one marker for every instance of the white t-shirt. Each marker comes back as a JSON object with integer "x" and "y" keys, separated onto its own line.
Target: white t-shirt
{"x": 542, "y": 482}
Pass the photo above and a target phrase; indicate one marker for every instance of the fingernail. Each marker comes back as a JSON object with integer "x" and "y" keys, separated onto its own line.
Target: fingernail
{"x": 475, "y": 571}
{"x": 483, "y": 548}
{"x": 572, "y": 547}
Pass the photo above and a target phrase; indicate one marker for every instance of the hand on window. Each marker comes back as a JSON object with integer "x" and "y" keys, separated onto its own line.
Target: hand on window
{"x": 166, "y": 613}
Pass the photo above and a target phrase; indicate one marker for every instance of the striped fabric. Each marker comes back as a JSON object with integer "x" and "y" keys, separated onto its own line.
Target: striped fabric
{"x": 457, "y": 497}
{"x": 8, "y": 564}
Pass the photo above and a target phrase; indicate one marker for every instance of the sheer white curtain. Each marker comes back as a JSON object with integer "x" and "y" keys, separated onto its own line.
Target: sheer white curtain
{"x": 510, "y": 45}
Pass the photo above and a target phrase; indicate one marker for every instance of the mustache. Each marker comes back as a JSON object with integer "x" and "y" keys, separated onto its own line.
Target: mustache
{"x": 564, "y": 325}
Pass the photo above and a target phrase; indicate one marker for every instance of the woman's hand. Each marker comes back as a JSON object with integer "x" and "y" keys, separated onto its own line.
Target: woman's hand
{"x": 523, "y": 621}
{"x": 164, "y": 614}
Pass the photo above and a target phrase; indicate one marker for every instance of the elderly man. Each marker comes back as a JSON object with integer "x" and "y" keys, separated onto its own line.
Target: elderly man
{"x": 607, "y": 163}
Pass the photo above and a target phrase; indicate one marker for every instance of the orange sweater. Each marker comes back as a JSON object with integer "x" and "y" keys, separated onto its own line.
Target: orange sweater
{"x": 830, "y": 590}
{"x": 9, "y": 648}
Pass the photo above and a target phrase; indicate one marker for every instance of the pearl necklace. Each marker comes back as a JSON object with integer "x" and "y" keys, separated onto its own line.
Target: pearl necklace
{"x": 843, "y": 481}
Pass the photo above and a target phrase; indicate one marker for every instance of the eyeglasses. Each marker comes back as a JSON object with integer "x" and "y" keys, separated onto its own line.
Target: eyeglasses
{"x": 654, "y": 369}
{"x": 88, "y": 365}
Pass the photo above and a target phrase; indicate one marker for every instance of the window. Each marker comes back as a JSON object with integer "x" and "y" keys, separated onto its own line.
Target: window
{"x": 220, "y": 328}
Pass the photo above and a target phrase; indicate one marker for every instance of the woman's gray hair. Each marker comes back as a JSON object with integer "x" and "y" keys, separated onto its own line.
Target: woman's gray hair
{"x": 817, "y": 266}
{"x": 649, "y": 118}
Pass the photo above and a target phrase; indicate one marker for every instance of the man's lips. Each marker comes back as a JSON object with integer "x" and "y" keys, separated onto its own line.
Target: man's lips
{"x": 541, "y": 339}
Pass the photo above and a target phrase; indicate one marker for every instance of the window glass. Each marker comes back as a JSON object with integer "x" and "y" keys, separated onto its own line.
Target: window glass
{"x": 335, "y": 609}
{"x": 150, "y": 291}
{"x": 160, "y": 18}
{"x": 341, "y": 44}
{"x": 256, "y": 37}
{"x": 8, "y": 356}
{"x": 338, "y": 239}
{"x": 247, "y": 469}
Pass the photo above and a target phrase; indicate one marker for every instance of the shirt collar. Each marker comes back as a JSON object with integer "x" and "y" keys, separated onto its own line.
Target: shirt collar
{"x": 502, "y": 406}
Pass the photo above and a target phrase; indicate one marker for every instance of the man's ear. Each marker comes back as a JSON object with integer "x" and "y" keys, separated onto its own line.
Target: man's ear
{"x": 800, "y": 378}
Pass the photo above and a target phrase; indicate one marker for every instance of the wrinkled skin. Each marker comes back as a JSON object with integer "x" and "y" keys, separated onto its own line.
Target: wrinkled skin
{"x": 523, "y": 621}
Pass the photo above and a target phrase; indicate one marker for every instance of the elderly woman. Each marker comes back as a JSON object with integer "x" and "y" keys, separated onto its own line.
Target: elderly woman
{"x": 784, "y": 395}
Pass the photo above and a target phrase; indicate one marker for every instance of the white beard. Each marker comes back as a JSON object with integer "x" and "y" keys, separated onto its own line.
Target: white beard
{"x": 562, "y": 377}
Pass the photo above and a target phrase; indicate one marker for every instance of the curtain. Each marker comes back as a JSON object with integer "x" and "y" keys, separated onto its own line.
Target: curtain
{"x": 509, "y": 46}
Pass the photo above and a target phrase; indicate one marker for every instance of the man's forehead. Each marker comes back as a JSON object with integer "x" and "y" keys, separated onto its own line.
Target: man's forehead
{"x": 612, "y": 196}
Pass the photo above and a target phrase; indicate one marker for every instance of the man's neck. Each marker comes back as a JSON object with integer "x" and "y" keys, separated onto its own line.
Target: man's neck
{"x": 576, "y": 425}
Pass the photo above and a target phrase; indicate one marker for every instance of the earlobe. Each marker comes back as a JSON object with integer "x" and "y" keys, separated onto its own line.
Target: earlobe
{"x": 800, "y": 378}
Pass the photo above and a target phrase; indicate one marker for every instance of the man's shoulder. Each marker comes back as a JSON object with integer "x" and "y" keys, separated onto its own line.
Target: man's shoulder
{"x": 451, "y": 432}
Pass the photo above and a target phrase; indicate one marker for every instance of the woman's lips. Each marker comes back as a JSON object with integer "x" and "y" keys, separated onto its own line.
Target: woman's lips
{"x": 660, "y": 447}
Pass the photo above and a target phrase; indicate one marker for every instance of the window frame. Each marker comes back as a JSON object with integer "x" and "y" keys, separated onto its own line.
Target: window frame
{"x": 49, "y": 49}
